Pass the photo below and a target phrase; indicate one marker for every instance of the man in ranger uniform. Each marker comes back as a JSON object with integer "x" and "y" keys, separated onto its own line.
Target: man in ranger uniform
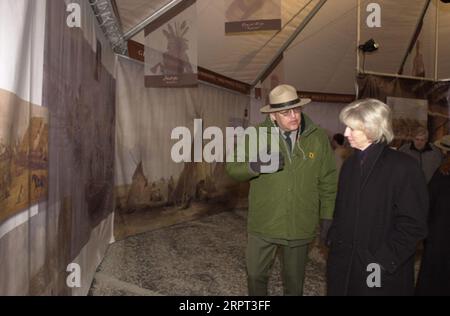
{"x": 287, "y": 202}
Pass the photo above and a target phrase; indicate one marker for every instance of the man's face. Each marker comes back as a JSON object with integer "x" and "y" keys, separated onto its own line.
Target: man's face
{"x": 420, "y": 142}
{"x": 288, "y": 120}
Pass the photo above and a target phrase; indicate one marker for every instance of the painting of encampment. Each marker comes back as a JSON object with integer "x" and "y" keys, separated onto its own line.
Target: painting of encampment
{"x": 23, "y": 154}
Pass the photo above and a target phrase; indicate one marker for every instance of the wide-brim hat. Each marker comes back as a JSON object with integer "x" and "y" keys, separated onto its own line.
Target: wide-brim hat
{"x": 443, "y": 143}
{"x": 283, "y": 97}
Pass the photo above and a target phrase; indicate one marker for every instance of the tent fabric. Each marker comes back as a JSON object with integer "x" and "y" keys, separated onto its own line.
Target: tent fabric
{"x": 323, "y": 57}
{"x": 85, "y": 146}
{"x": 22, "y": 209}
{"x": 82, "y": 114}
{"x": 133, "y": 12}
{"x": 242, "y": 57}
{"x": 57, "y": 144}
{"x": 326, "y": 49}
{"x": 148, "y": 181}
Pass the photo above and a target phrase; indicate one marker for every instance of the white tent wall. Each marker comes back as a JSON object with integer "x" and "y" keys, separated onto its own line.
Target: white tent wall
{"x": 326, "y": 115}
{"x": 146, "y": 119}
{"x": 39, "y": 233}
{"x": 21, "y": 72}
{"x": 79, "y": 89}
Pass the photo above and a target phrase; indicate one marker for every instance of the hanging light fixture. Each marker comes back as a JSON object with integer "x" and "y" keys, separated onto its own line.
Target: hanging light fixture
{"x": 369, "y": 46}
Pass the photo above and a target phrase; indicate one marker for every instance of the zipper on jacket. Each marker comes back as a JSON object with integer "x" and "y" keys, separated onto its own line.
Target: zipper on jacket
{"x": 301, "y": 149}
{"x": 298, "y": 144}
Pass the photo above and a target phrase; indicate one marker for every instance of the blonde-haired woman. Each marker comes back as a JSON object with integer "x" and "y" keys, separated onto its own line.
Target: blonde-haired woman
{"x": 380, "y": 212}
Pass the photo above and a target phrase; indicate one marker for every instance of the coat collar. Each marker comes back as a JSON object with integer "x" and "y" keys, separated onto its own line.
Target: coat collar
{"x": 374, "y": 153}
{"x": 426, "y": 148}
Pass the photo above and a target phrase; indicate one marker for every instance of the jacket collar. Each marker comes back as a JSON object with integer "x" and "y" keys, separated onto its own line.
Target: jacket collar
{"x": 373, "y": 154}
{"x": 426, "y": 148}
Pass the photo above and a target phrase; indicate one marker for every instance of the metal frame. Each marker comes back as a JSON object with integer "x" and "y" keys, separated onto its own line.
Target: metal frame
{"x": 358, "y": 35}
{"x": 393, "y": 75}
{"x": 109, "y": 23}
{"x": 300, "y": 28}
{"x": 436, "y": 57}
{"x": 139, "y": 27}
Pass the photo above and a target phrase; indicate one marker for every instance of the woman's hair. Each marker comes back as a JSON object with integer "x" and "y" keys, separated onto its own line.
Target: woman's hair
{"x": 371, "y": 116}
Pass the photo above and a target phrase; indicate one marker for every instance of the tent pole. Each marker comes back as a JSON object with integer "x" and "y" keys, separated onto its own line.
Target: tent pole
{"x": 436, "y": 43}
{"x": 415, "y": 36}
{"x": 396, "y": 75}
{"x": 300, "y": 28}
{"x": 138, "y": 28}
{"x": 358, "y": 35}
{"x": 358, "y": 40}
{"x": 109, "y": 23}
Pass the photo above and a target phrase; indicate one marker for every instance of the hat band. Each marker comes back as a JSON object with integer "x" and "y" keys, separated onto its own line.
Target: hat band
{"x": 445, "y": 145}
{"x": 282, "y": 105}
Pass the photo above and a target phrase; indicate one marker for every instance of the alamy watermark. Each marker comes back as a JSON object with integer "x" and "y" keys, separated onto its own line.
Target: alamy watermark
{"x": 374, "y": 18}
{"x": 241, "y": 145}
{"x": 74, "y": 16}
{"x": 73, "y": 280}
{"x": 374, "y": 278}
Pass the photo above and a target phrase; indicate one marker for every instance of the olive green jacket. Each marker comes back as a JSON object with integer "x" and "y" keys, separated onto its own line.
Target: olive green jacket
{"x": 289, "y": 203}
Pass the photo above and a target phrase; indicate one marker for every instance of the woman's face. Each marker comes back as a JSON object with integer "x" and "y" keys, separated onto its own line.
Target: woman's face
{"x": 357, "y": 138}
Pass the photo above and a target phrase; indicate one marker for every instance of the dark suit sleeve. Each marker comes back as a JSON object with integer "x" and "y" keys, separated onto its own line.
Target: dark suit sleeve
{"x": 410, "y": 219}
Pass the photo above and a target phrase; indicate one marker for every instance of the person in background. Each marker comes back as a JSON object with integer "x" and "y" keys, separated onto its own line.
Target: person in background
{"x": 381, "y": 209}
{"x": 428, "y": 155}
{"x": 434, "y": 274}
{"x": 341, "y": 152}
{"x": 286, "y": 203}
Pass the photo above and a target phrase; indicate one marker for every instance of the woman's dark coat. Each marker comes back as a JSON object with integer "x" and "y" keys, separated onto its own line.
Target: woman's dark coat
{"x": 434, "y": 275}
{"x": 380, "y": 216}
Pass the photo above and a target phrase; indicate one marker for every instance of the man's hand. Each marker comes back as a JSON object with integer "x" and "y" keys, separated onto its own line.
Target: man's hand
{"x": 275, "y": 164}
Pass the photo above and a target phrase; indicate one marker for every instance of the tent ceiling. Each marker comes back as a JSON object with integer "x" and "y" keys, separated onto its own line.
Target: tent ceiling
{"x": 323, "y": 57}
{"x": 132, "y": 12}
{"x": 242, "y": 57}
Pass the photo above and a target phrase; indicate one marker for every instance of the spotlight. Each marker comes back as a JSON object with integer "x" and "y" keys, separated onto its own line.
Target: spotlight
{"x": 369, "y": 46}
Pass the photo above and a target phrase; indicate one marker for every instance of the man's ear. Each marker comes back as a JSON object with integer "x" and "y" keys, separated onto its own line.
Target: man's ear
{"x": 273, "y": 117}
